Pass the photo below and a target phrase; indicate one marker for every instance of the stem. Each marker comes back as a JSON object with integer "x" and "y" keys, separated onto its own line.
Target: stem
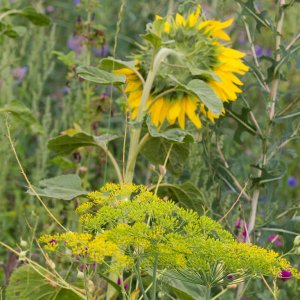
{"x": 273, "y": 96}
{"x": 154, "y": 281}
{"x": 218, "y": 295}
{"x": 170, "y": 9}
{"x": 161, "y": 176}
{"x": 9, "y": 12}
{"x": 207, "y": 295}
{"x": 48, "y": 275}
{"x": 114, "y": 163}
{"x": 30, "y": 187}
{"x": 275, "y": 83}
{"x": 86, "y": 284}
{"x": 87, "y": 88}
{"x": 139, "y": 277}
{"x": 135, "y": 130}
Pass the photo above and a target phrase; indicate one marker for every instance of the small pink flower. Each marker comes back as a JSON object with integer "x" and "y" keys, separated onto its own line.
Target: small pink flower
{"x": 285, "y": 275}
{"x": 126, "y": 285}
{"x": 275, "y": 239}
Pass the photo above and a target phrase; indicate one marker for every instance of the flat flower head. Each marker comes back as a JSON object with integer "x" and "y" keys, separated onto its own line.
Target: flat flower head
{"x": 201, "y": 57}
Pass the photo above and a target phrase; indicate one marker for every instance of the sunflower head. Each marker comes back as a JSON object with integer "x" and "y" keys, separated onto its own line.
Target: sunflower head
{"x": 195, "y": 82}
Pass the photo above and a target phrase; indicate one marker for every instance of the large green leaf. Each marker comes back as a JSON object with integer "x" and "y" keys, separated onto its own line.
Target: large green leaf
{"x": 66, "y": 144}
{"x": 156, "y": 149}
{"x": 185, "y": 290}
{"x": 206, "y": 94}
{"x": 186, "y": 194}
{"x": 65, "y": 187}
{"x": 34, "y": 17}
{"x": 23, "y": 114}
{"x": 26, "y": 284}
{"x": 99, "y": 76}
{"x": 173, "y": 134}
{"x": 110, "y": 63}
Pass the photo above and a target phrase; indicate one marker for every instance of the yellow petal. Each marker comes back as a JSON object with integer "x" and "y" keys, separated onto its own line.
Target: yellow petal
{"x": 231, "y": 53}
{"x": 225, "y": 24}
{"x": 179, "y": 20}
{"x": 124, "y": 71}
{"x": 181, "y": 117}
{"x": 155, "y": 111}
{"x": 157, "y": 17}
{"x": 193, "y": 18}
{"x": 133, "y": 85}
{"x": 175, "y": 110}
{"x": 190, "y": 111}
{"x": 220, "y": 34}
{"x": 167, "y": 27}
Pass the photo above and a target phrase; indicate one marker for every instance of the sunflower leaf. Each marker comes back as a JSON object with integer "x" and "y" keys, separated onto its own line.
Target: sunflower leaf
{"x": 186, "y": 194}
{"x": 99, "y": 76}
{"x": 156, "y": 149}
{"x": 206, "y": 94}
{"x": 171, "y": 134}
{"x": 63, "y": 187}
{"x": 67, "y": 143}
{"x": 110, "y": 63}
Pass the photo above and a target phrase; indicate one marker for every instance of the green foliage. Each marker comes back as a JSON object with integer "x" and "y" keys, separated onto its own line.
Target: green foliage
{"x": 64, "y": 187}
{"x": 67, "y": 143}
{"x": 27, "y": 283}
{"x": 23, "y": 114}
{"x": 99, "y": 76}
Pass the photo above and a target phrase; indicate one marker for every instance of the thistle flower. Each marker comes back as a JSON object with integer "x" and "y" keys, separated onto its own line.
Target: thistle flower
{"x": 201, "y": 57}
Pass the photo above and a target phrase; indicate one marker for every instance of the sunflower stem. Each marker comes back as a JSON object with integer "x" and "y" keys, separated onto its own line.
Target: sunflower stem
{"x": 136, "y": 127}
{"x": 135, "y": 130}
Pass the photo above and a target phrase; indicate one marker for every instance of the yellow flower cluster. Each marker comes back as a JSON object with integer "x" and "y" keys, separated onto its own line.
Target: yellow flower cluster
{"x": 126, "y": 223}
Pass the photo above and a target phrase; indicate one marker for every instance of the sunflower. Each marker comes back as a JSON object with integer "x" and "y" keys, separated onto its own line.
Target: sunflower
{"x": 202, "y": 57}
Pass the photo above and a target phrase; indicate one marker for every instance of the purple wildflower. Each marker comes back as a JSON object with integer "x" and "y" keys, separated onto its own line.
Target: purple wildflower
{"x": 75, "y": 43}
{"x": 229, "y": 277}
{"x": 238, "y": 223}
{"x": 259, "y": 51}
{"x": 268, "y": 52}
{"x": 285, "y": 275}
{"x": 292, "y": 181}
{"x": 50, "y": 9}
{"x": 102, "y": 51}
{"x": 53, "y": 242}
{"x": 19, "y": 73}
{"x": 76, "y": 2}
{"x": 245, "y": 298}
{"x": 275, "y": 238}
{"x": 126, "y": 285}
{"x": 263, "y": 198}
{"x": 241, "y": 224}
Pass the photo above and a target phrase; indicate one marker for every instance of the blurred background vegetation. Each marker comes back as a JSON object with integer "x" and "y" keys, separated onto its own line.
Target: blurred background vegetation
{"x": 38, "y": 70}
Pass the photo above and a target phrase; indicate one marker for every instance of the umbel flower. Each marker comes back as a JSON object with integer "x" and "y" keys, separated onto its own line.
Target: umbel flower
{"x": 130, "y": 225}
{"x": 203, "y": 72}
